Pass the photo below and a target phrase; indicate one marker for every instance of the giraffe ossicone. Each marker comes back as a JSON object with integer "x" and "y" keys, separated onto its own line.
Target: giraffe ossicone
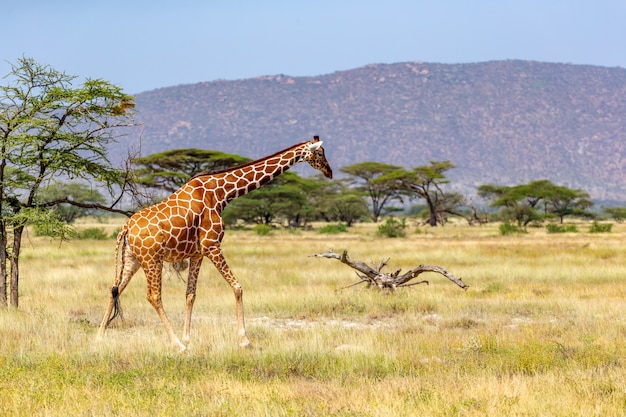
{"x": 188, "y": 225}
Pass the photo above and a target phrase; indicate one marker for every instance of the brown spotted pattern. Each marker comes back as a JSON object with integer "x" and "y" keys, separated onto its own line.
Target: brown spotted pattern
{"x": 188, "y": 225}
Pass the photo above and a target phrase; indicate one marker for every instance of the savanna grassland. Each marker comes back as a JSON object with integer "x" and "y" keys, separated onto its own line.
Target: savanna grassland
{"x": 540, "y": 332}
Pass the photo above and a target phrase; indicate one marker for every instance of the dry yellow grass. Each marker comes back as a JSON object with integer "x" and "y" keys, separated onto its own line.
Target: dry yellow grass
{"x": 541, "y": 331}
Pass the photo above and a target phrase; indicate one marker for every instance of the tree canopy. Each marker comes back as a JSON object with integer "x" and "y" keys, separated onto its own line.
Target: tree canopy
{"x": 372, "y": 179}
{"x": 51, "y": 130}
{"x": 425, "y": 182}
{"x": 536, "y": 201}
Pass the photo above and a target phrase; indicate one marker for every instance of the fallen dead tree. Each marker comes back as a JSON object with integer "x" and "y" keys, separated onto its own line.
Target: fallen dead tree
{"x": 373, "y": 275}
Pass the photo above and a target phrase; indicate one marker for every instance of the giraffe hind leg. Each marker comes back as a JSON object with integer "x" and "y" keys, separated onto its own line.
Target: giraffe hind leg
{"x": 153, "y": 279}
{"x": 192, "y": 280}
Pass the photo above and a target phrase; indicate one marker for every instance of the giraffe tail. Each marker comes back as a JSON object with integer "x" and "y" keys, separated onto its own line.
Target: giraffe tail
{"x": 115, "y": 294}
{"x": 117, "y": 307}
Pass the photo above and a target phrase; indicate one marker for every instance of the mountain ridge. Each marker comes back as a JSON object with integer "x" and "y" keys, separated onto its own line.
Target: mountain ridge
{"x": 504, "y": 122}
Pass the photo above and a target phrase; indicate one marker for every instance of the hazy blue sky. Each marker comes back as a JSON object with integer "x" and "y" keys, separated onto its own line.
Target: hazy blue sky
{"x": 142, "y": 45}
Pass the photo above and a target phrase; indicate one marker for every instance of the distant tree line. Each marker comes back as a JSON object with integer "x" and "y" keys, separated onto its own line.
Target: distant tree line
{"x": 368, "y": 191}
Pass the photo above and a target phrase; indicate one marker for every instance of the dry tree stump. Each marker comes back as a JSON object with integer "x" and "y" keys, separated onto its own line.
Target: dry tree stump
{"x": 373, "y": 275}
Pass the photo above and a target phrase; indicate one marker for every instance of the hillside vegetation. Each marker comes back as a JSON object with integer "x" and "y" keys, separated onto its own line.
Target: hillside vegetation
{"x": 505, "y": 122}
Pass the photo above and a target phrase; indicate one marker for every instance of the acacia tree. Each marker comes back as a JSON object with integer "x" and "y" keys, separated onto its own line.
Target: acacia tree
{"x": 517, "y": 203}
{"x": 563, "y": 201}
{"x": 425, "y": 182}
{"x": 51, "y": 130}
{"x": 372, "y": 179}
{"x": 536, "y": 200}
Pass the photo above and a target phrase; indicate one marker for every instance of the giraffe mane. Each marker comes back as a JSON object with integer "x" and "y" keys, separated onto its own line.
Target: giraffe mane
{"x": 245, "y": 164}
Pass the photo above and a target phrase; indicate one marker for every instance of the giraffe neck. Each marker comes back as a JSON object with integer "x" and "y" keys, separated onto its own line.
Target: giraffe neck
{"x": 248, "y": 177}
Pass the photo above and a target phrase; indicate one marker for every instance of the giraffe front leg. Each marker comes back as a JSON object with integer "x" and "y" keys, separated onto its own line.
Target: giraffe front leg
{"x": 192, "y": 280}
{"x": 216, "y": 256}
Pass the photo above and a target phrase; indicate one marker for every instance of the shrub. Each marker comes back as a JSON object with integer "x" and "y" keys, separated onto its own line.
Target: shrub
{"x": 95, "y": 233}
{"x": 263, "y": 229}
{"x": 333, "y": 229}
{"x": 392, "y": 228}
{"x": 600, "y": 227}
{"x": 509, "y": 229}
{"x": 559, "y": 228}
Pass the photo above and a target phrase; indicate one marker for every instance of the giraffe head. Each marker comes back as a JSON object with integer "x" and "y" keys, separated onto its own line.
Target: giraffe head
{"x": 314, "y": 155}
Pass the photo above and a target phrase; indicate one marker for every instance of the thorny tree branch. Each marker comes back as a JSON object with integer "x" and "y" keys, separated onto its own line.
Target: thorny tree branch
{"x": 375, "y": 276}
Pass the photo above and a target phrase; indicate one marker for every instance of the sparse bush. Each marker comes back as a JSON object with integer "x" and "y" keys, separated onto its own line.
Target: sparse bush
{"x": 509, "y": 229}
{"x": 559, "y": 228}
{"x": 392, "y": 228}
{"x": 94, "y": 233}
{"x": 333, "y": 229}
{"x": 263, "y": 229}
{"x": 600, "y": 227}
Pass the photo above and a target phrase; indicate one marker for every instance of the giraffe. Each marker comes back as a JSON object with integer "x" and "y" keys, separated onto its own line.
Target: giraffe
{"x": 188, "y": 225}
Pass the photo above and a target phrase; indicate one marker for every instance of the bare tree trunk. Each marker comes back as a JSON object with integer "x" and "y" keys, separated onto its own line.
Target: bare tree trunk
{"x": 374, "y": 276}
{"x": 3, "y": 265}
{"x": 15, "y": 268}
{"x": 432, "y": 210}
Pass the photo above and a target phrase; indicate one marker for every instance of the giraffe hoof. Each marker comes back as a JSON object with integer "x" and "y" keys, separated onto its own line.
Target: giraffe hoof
{"x": 245, "y": 343}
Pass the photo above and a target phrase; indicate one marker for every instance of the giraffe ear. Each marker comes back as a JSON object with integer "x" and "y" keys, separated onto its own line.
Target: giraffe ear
{"x": 313, "y": 146}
